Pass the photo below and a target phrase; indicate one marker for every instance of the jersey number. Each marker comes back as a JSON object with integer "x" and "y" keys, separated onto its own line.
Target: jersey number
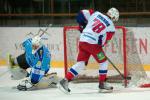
{"x": 98, "y": 26}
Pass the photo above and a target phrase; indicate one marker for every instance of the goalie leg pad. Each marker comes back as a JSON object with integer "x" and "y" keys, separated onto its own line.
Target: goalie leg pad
{"x": 15, "y": 70}
{"x": 18, "y": 73}
{"x": 48, "y": 81}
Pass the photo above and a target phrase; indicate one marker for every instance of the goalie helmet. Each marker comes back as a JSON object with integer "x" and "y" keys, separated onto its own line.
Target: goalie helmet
{"x": 36, "y": 40}
{"x": 113, "y": 13}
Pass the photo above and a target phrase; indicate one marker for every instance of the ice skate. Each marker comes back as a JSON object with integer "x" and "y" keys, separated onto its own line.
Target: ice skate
{"x": 64, "y": 85}
{"x": 105, "y": 88}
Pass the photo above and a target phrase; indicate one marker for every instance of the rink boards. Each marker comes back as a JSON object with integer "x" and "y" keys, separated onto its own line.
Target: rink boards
{"x": 10, "y": 43}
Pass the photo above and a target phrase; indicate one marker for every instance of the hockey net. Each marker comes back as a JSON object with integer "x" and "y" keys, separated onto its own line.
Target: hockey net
{"x": 118, "y": 51}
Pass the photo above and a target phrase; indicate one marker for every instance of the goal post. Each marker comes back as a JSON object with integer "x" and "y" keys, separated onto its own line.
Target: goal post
{"x": 65, "y": 29}
{"x": 117, "y": 51}
{"x": 124, "y": 53}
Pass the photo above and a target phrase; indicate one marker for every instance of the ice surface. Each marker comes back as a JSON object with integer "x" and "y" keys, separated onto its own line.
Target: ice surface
{"x": 82, "y": 91}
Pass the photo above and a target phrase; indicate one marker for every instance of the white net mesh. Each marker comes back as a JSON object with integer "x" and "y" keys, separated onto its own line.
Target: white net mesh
{"x": 134, "y": 65}
{"x": 114, "y": 51}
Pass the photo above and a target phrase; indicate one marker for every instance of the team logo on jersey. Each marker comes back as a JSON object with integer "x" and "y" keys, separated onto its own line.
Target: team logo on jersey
{"x": 101, "y": 56}
{"x": 38, "y": 63}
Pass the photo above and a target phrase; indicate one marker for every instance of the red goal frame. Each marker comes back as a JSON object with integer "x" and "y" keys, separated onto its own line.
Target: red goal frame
{"x": 124, "y": 50}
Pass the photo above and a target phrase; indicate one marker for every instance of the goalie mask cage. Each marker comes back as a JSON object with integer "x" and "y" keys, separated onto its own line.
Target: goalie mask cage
{"x": 118, "y": 51}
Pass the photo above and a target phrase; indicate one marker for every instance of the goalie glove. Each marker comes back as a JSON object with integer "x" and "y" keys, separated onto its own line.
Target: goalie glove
{"x": 25, "y": 85}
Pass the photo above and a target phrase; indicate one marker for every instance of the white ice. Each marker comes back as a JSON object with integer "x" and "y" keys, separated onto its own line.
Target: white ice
{"x": 82, "y": 91}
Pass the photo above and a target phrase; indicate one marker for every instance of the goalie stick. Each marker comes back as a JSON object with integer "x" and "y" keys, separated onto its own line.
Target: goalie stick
{"x": 40, "y": 34}
{"x": 43, "y": 31}
{"x": 40, "y": 30}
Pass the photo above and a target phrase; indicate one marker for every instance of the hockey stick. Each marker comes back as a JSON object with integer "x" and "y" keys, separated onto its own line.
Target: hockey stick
{"x": 41, "y": 30}
{"x": 40, "y": 34}
{"x": 44, "y": 31}
{"x": 128, "y": 78}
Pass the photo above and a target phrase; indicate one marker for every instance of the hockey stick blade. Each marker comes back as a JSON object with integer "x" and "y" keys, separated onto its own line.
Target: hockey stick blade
{"x": 128, "y": 78}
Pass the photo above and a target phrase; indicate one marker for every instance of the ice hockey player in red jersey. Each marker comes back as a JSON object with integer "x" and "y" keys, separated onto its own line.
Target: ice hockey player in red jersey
{"x": 97, "y": 30}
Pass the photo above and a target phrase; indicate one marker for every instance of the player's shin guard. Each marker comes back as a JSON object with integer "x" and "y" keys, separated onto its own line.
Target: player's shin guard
{"x": 102, "y": 78}
{"x": 71, "y": 74}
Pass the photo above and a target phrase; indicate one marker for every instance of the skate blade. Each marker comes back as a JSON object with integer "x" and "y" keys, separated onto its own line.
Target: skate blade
{"x": 64, "y": 90}
{"x": 105, "y": 91}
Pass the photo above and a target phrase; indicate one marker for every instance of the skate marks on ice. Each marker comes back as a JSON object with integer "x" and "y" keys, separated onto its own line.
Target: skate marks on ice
{"x": 92, "y": 88}
{"x": 82, "y": 88}
{"x": 64, "y": 91}
{"x": 131, "y": 90}
{"x": 14, "y": 90}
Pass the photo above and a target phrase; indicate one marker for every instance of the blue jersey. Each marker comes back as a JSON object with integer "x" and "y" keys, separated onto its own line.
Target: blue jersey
{"x": 39, "y": 61}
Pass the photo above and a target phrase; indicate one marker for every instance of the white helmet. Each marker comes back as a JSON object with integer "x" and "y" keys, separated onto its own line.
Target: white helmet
{"x": 36, "y": 40}
{"x": 113, "y": 13}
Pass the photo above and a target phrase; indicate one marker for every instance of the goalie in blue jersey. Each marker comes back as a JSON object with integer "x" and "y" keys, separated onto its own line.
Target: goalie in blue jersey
{"x": 37, "y": 58}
